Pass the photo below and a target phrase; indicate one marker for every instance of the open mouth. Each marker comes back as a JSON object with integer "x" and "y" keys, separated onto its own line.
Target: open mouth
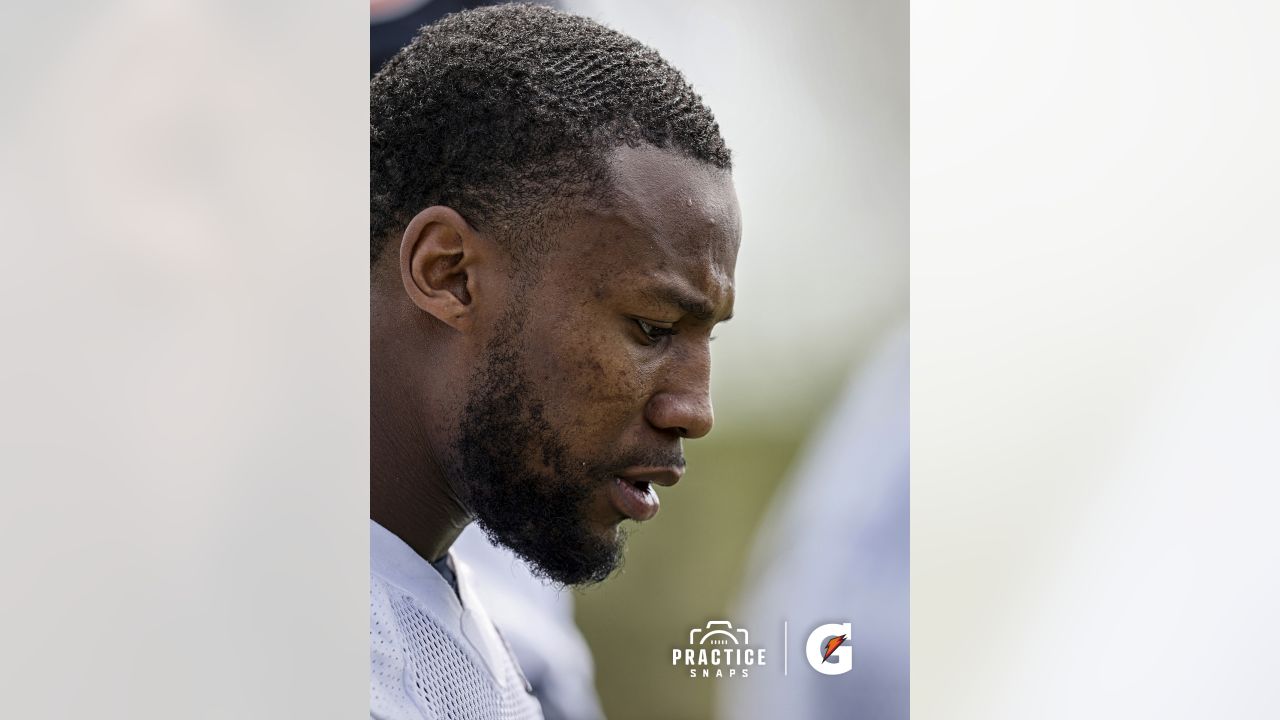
{"x": 634, "y": 498}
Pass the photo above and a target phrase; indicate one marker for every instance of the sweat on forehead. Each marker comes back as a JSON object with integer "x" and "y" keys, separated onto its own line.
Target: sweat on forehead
{"x": 669, "y": 193}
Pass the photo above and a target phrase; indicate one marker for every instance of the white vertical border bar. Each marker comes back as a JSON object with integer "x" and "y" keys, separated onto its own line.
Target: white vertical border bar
{"x": 1092, "y": 233}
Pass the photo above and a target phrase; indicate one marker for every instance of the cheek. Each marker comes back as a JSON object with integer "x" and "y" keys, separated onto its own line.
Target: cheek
{"x": 594, "y": 380}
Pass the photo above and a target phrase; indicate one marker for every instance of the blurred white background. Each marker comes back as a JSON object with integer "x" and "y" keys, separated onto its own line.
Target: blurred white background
{"x": 1095, "y": 334}
{"x": 183, "y": 445}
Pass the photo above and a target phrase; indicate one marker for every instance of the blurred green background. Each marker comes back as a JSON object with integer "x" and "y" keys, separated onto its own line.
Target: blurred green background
{"x": 683, "y": 568}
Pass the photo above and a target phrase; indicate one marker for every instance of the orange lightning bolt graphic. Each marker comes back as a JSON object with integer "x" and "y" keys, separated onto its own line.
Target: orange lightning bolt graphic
{"x": 832, "y": 644}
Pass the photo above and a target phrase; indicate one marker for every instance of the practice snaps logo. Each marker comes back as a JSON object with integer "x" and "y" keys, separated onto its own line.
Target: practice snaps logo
{"x": 828, "y": 650}
{"x": 718, "y": 650}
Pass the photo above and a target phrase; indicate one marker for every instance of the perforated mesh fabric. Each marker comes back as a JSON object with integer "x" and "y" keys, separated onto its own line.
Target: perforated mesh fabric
{"x": 387, "y": 697}
{"x": 416, "y": 664}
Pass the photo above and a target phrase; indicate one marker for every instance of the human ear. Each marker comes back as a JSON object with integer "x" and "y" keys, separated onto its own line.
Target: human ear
{"x": 438, "y": 255}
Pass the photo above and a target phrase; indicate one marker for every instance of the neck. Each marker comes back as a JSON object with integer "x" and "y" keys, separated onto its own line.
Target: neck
{"x": 425, "y": 524}
{"x": 409, "y": 492}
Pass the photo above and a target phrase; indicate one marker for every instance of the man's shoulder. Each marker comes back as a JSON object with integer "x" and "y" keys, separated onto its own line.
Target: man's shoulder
{"x": 389, "y": 672}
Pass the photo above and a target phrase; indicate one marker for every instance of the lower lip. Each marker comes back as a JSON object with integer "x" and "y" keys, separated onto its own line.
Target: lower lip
{"x": 637, "y": 504}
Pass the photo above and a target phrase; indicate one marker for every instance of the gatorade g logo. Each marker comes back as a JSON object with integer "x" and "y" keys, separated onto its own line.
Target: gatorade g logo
{"x": 828, "y": 650}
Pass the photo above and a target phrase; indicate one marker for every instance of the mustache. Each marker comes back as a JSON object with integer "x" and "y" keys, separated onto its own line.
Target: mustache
{"x": 672, "y": 457}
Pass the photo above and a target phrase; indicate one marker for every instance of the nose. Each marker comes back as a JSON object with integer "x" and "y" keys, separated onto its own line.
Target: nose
{"x": 688, "y": 416}
{"x": 682, "y": 405}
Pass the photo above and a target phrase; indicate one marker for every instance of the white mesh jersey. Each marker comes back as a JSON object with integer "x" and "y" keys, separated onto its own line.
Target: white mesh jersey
{"x": 435, "y": 657}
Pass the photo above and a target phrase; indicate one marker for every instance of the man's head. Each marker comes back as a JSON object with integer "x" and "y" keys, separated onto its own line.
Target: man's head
{"x": 497, "y": 111}
{"x": 554, "y": 236}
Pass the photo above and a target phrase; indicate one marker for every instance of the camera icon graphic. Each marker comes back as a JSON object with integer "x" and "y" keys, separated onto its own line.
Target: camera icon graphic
{"x": 718, "y": 632}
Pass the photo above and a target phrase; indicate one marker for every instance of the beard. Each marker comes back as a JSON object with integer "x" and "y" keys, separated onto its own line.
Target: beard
{"x": 518, "y": 479}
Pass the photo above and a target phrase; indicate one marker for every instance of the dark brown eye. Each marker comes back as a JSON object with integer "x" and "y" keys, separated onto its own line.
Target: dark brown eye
{"x": 654, "y": 332}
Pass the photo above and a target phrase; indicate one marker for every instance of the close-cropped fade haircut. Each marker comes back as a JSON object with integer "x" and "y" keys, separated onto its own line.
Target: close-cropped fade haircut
{"x": 501, "y": 112}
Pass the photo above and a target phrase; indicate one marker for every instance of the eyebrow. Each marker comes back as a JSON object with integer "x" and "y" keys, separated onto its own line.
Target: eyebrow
{"x": 695, "y": 306}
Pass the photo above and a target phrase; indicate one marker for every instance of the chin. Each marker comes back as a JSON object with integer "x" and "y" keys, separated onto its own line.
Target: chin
{"x": 613, "y": 535}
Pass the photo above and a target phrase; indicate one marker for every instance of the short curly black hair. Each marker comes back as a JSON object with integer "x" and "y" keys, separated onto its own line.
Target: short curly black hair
{"x": 499, "y": 111}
